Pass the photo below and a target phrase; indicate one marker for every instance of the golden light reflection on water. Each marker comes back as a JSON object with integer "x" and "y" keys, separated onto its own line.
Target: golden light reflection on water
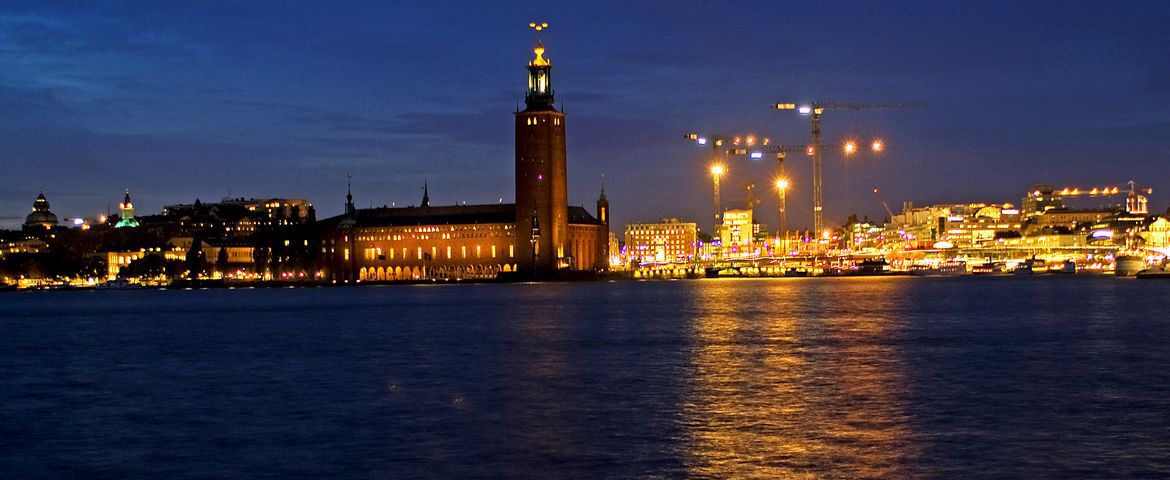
{"x": 796, "y": 385}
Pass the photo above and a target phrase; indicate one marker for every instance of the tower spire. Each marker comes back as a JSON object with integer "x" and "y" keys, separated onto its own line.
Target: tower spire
{"x": 540, "y": 91}
{"x": 543, "y": 239}
{"x": 349, "y": 208}
{"x": 126, "y": 209}
{"x": 426, "y": 202}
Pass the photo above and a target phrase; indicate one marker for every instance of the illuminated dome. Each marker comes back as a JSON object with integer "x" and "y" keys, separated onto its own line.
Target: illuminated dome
{"x": 41, "y": 216}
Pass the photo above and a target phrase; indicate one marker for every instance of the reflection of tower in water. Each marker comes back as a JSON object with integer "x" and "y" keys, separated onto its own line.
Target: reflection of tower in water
{"x": 545, "y": 428}
{"x": 797, "y": 389}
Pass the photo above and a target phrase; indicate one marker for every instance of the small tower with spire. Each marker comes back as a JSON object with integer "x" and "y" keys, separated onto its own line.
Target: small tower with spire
{"x": 349, "y": 208}
{"x": 603, "y": 233}
{"x": 603, "y": 205}
{"x": 426, "y": 201}
{"x": 126, "y": 209}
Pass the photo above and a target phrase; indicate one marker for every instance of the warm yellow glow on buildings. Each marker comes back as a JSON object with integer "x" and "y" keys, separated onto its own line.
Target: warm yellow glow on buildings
{"x": 667, "y": 241}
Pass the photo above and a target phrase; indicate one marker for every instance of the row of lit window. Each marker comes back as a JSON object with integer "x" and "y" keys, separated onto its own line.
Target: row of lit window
{"x": 441, "y": 236}
{"x": 535, "y": 121}
{"x": 677, "y": 234}
{"x": 377, "y": 253}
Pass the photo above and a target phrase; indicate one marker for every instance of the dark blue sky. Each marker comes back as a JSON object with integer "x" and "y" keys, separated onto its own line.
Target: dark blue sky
{"x": 179, "y": 101}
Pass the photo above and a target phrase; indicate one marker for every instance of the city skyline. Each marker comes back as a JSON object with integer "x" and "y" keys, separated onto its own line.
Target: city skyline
{"x": 175, "y": 103}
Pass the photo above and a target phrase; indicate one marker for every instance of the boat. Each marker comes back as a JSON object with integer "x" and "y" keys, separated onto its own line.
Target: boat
{"x": 1031, "y": 266}
{"x": 795, "y": 272}
{"x": 1158, "y": 272}
{"x": 947, "y": 268}
{"x": 116, "y": 284}
{"x": 717, "y": 272}
{"x": 873, "y": 267}
{"x": 1069, "y": 266}
{"x": 1128, "y": 265}
{"x": 989, "y": 268}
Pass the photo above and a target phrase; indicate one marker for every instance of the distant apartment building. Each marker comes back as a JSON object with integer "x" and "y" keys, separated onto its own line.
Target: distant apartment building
{"x": 669, "y": 240}
{"x": 1157, "y": 234}
{"x": 960, "y": 225}
{"x": 239, "y": 217}
{"x": 737, "y": 234}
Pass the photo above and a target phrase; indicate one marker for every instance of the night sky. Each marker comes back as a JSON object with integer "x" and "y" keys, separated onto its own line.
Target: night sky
{"x": 184, "y": 100}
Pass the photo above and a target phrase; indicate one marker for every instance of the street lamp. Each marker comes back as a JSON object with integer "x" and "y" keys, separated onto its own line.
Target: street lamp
{"x": 717, "y": 171}
{"x": 782, "y": 226}
{"x": 814, "y": 110}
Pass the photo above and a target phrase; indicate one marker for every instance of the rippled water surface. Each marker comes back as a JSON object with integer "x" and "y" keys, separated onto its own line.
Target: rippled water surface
{"x": 1046, "y": 377}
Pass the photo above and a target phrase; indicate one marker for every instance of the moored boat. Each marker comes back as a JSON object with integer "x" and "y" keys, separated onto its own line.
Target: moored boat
{"x": 116, "y": 284}
{"x": 1128, "y": 265}
{"x": 947, "y": 268}
{"x": 1031, "y": 266}
{"x": 873, "y": 267}
{"x": 1159, "y": 272}
{"x": 989, "y": 268}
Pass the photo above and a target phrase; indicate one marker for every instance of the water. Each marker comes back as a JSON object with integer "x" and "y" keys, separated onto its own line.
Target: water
{"x": 1043, "y": 377}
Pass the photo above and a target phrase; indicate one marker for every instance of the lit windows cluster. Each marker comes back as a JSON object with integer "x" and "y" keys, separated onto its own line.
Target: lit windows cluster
{"x": 532, "y": 121}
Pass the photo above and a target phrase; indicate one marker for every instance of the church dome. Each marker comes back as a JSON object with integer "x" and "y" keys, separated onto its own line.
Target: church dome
{"x": 41, "y": 215}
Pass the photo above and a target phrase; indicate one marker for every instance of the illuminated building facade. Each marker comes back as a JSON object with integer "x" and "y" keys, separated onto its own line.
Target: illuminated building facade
{"x": 980, "y": 225}
{"x": 1040, "y": 199}
{"x": 1157, "y": 234}
{"x": 540, "y": 232}
{"x": 239, "y": 217}
{"x": 961, "y": 225}
{"x": 737, "y": 234}
{"x": 280, "y": 233}
{"x": 446, "y": 242}
{"x": 670, "y": 240}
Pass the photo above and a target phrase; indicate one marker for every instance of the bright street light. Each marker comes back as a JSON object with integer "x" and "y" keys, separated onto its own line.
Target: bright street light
{"x": 781, "y": 184}
{"x": 717, "y": 170}
{"x": 877, "y": 146}
{"x": 850, "y": 147}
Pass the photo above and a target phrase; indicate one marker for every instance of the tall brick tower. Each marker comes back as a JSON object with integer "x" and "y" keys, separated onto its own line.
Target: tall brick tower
{"x": 542, "y": 203}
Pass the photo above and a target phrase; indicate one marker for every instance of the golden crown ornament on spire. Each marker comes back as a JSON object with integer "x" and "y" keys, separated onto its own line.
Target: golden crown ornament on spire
{"x": 539, "y": 50}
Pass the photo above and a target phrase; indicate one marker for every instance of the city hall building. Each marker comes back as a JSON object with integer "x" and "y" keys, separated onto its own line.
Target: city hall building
{"x": 539, "y": 233}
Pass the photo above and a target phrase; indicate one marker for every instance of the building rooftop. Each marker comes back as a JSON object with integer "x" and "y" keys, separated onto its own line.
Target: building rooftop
{"x": 446, "y": 215}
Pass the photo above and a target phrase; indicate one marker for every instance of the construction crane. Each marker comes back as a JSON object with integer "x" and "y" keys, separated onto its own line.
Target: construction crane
{"x": 1136, "y": 200}
{"x": 717, "y": 142}
{"x": 756, "y": 148}
{"x": 878, "y": 194}
{"x": 781, "y": 152}
{"x": 814, "y": 110}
